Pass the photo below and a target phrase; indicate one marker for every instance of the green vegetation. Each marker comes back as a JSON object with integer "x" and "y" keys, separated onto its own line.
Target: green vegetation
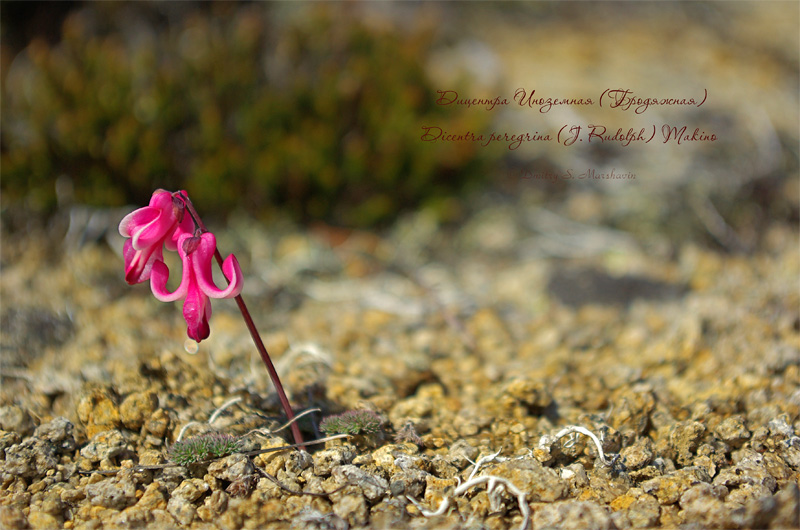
{"x": 320, "y": 117}
{"x": 352, "y": 422}
{"x": 203, "y": 447}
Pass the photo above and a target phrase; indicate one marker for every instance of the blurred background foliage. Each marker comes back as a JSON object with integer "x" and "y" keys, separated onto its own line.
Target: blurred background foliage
{"x": 318, "y": 115}
{"x": 315, "y": 110}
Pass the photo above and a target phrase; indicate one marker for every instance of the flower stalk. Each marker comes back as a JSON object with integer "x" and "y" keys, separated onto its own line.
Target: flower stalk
{"x": 251, "y": 327}
{"x": 163, "y": 224}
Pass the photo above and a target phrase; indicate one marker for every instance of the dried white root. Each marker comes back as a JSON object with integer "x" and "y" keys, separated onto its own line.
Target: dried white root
{"x": 494, "y": 457}
{"x": 266, "y": 432}
{"x": 546, "y": 441}
{"x": 495, "y": 485}
{"x": 493, "y": 488}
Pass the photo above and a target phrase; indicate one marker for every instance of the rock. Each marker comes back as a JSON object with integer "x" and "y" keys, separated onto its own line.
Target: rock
{"x": 389, "y": 513}
{"x": 31, "y": 459}
{"x": 180, "y": 505}
{"x": 461, "y": 453}
{"x": 639, "y": 454}
{"x": 13, "y": 518}
{"x": 733, "y": 431}
{"x": 105, "y": 445}
{"x": 491, "y": 336}
{"x": 353, "y": 509}
{"x": 132, "y": 517}
{"x": 750, "y": 469}
{"x": 716, "y": 451}
{"x": 231, "y": 468}
{"x": 703, "y": 504}
{"x": 117, "y": 492}
{"x": 327, "y": 460}
{"x": 576, "y": 475}
{"x": 59, "y": 433}
{"x": 669, "y": 488}
{"x": 372, "y": 486}
{"x": 572, "y": 515}
{"x": 414, "y": 408}
{"x": 190, "y": 490}
{"x": 153, "y": 498}
{"x": 787, "y": 510}
{"x": 15, "y": 418}
{"x": 410, "y": 482}
{"x": 311, "y": 519}
{"x": 705, "y": 463}
{"x": 173, "y": 476}
{"x": 790, "y": 452}
{"x": 243, "y": 486}
{"x": 7, "y": 439}
{"x": 542, "y": 484}
{"x": 214, "y": 505}
{"x": 631, "y": 410}
{"x": 98, "y": 412}
{"x": 394, "y": 458}
{"x": 43, "y": 521}
{"x": 158, "y": 423}
{"x": 780, "y": 428}
{"x": 644, "y": 512}
{"x": 751, "y": 506}
{"x": 777, "y": 467}
{"x": 52, "y": 502}
{"x": 471, "y": 420}
{"x": 684, "y": 438}
{"x": 746, "y": 493}
{"x": 298, "y": 461}
{"x": 441, "y": 467}
{"x": 530, "y": 394}
{"x": 137, "y": 408}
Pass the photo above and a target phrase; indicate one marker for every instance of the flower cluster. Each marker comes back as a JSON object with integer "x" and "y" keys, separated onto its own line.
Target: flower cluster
{"x": 164, "y": 224}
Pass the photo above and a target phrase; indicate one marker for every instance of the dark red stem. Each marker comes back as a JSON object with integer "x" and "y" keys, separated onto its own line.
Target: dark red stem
{"x": 248, "y": 320}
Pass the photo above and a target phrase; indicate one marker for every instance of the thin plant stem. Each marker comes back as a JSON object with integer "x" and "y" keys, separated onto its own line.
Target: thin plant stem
{"x": 248, "y": 320}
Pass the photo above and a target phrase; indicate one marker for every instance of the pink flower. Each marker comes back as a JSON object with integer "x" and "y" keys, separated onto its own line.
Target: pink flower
{"x": 149, "y": 229}
{"x": 197, "y": 283}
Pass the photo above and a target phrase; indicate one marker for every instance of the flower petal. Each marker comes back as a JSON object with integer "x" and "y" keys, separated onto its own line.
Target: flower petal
{"x": 184, "y": 227}
{"x": 160, "y": 274}
{"x": 134, "y": 220}
{"x": 196, "y": 312}
{"x": 138, "y": 263}
{"x": 202, "y": 266}
{"x": 152, "y": 224}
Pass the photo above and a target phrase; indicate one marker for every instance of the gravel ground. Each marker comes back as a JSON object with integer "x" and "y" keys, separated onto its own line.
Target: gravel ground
{"x": 475, "y": 351}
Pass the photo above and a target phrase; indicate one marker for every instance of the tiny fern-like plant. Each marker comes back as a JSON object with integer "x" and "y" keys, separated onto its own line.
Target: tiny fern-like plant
{"x": 203, "y": 447}
{"x": 352, "y": 422}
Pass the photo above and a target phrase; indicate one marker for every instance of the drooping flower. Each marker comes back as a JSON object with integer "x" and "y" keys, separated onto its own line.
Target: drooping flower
{"x": 150, "y": 229}
{"x": 197, "y": 282}
{"x": 164, "y": 223}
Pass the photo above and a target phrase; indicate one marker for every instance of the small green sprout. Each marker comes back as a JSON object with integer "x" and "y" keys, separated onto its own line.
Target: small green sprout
{"x": 203, "y": 447}
{"x": 354, "y": 422}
